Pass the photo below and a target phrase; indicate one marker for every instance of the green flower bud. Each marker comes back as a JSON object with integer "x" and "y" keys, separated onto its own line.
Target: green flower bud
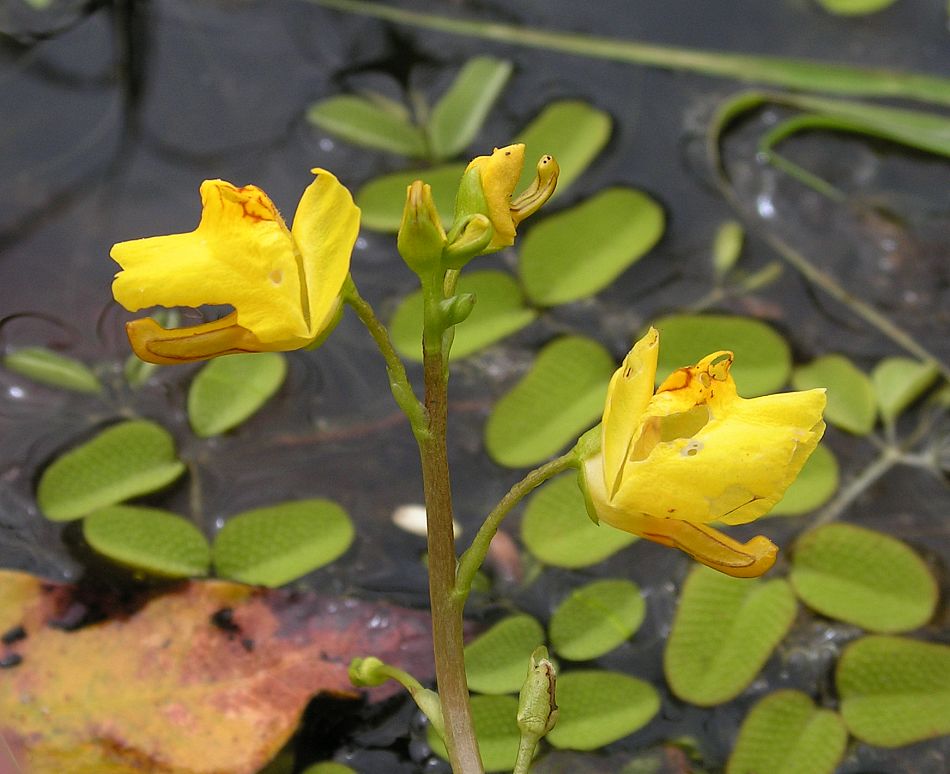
{"x": 537, "y": 705}
{"x": 421, "y": 236}
{"x": 367, "y": 672}
{"x": 457, "y": 308}
{"x": 469, "y": 238}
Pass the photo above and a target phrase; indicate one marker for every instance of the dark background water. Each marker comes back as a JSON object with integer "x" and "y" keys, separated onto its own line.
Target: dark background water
{"x": 114, "y": 112}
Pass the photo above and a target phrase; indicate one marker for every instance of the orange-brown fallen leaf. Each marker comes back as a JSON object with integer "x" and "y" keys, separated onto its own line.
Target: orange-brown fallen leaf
{"x": 207, "y": 678}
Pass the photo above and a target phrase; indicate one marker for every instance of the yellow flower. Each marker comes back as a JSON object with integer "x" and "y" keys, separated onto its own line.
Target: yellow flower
{"x": 694, "y": 453}
{"x": 487, "y": 187}
{"x": 283, "y": 284}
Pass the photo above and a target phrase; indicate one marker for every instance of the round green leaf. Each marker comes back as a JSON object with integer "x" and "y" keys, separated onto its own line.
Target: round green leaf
{"x": 275, "y": 545}
{"x": 230, "y": 389}
{"x": 363, "y": 122}
{"x": 499, "y": 311}
{"x": 763, "y": 360}
{"x": 894, "y": 691}
{"x": 47, "y": 367}
{"x": 816, "y": 483}
{"x": 571, "y": 131}
{"x": 497, "y": 661}
{"x": 724, "y": 631}
{"x": 854, "y": 7}
{"x": 457, "y": 117}
{"x": 123, "y": 461}
{"x": 383, "y": 198}
{"x": 147, "y": 539}
{"x": 558, "y": 532}
{"x": 851, "y": 402}
{"x": 580, "y": 251}
{"x": 599, "y": 707}
{"x": 898, "y": 382}
{"x": 496, "y": 727}
{"x": 863, "y": 577}
{"x": 596, "y": 618}
{"x": 785, "y": 733}
{"x": 560, "y": 397}
{"x": 727, "y": 246}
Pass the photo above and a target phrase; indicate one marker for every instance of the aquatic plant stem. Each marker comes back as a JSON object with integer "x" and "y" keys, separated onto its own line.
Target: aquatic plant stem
{"x": 475, "y": 554}
{"x": 887, "y": 459}
{"x": 801, "y": 74}
{"x": 526, "y": 748}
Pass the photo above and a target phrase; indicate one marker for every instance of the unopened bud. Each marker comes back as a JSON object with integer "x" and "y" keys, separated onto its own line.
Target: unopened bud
{"x": 537, "y": 705}
{"x": 470, "y": 238}
{"x": 457, "y": 308}
{"x": 421, "y": 236}
{"x": 367, "y": 672}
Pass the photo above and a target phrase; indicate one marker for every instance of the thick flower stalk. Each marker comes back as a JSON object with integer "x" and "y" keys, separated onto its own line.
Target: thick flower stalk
{"x": 670, "y": 463}
{"x": 283, "y": 284}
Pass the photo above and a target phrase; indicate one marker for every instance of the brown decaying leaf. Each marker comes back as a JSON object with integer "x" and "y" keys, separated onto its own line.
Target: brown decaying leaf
{"x": 178, "y": 686}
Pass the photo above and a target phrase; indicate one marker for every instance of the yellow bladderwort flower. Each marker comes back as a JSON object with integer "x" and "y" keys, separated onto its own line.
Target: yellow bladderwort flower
{"x": 284, "y": 284}
{"x": 487, "y": 187}
{"x": 694, "y": 452}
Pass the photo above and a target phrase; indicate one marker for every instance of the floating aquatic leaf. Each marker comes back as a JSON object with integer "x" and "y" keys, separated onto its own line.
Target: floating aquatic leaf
{"x": 599, "y": 707}
{"x": 382, "y": 199}
{"x": 596, "y": 618}
{"x": 763, "y": 360}
{"x": 560, "y": 397}
{"x": 230, "y": 389}
{"x": 496, "y": 727}
{"x": 863, "y": 577}
{"x": 499, "y": 311}
{"x": 894, "y": 691}
{"x": 785, "y": 733}
{"x": 148, "y": 539}
{"x": 724, "y": 631}
{"x": 580, "y": 251}
{"x": 275, "y": 545}
{"x": 898, "y": 382}
{"x": 571, "y": 131}
{"x": 123, "y": 461}
{"x": 457, "y": 117}
{"x": 557, "y": 530}
{"x": 852, "y": 405}
{"x": 727, "y": 246}
{"x": 497, "y": 660}
{"x": 204, "y": 678}
{"x": 854, "y": 7}
{"x": 816, "y": 483}
{"x": 47, "y": 367}
{"x": 363, "y": 122}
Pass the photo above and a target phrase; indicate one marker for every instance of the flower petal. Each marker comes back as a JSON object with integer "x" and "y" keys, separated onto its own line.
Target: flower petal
{"x": 499, "y": 174}
{"x": 241, "y": 254}
{"x": 325, "y": 228}
{"x": 171, "y": 346}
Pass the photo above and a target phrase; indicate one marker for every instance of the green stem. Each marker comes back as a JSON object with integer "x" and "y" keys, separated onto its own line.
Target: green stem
{"x": 526, "y": 748}
{"x": 475, "y": 554}
{"x": 888, "y": 458}
{"x": 398, "y": 380}
{"x": 800, "y": 74}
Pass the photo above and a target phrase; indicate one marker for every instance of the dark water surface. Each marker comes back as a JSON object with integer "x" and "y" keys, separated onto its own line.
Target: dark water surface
{"x": 113, "y": 113}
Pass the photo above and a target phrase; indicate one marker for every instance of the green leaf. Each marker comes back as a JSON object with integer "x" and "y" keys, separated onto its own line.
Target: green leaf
{"x": 363, "y": 122}
{"x": 763, "y": 359}
{"x": 851, "y": 402}
{"x": 580, "y": 251}
{"x": 47, "y": 367}
{"x": 458, "y": 116}
{"x": 898, "y": 382}
{"x": 863, "y": 577}
{"x": 815, "y": 485}
{"x": 785, "y": 733}
{"x": 557, "y": 531}
{"x": 382, "y": 199}
{"x": 328, "y": 767}
{"x": 894, "y": 691}
{"x": 599, "y": 707}
{"x": 496, "y": 728}
{"x": 727, "y": 246}
{"x": 123, "y": 461}
{"x": 854, "y": 7}
{"x": 571, "y": 131}
{"x": 596, "y": 618}
{"x": 560, "y": 397}
{"x": 724, "y": 631}
{"x": 499, "y": 311}
{"x": 497, "y": 660}
{"x": 275, "y": 545}
{"x": 230, "y": 389}
{"x": 147, "y": 539}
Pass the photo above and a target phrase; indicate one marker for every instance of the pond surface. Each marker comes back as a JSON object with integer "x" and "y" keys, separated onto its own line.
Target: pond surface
{"x": 115, "y": 112}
